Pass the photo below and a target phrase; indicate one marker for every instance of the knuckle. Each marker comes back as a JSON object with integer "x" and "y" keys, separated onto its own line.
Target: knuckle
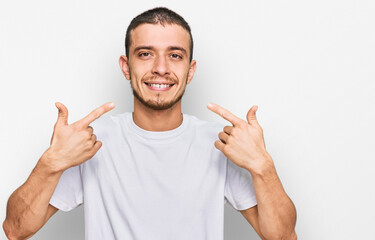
{"x": 75, "y": 126}
{"x": 88, "y": 144}
{"x": 242, "y": 124}
{"x": 91, "y": 131}
{"x": 97, "y": 146}
{"x": 87, "y": 135}
{"x": 226, "y": 129}
{"x": 221, "y": 136}
{"x": 234, "y": 131}
{"x": 224, "y": 114}
{"x": 96, "y": 114}
{"x": 226, "y": 149}
{"x": 57, "y": 127}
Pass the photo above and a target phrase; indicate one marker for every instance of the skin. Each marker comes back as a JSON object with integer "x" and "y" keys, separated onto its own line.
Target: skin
{"x": 157, "y": 54}
{"x": 28, "y": 207}
{"x": 243, "y": 143}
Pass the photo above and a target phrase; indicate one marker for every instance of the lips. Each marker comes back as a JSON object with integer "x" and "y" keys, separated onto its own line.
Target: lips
{"x": 159, "y": 86}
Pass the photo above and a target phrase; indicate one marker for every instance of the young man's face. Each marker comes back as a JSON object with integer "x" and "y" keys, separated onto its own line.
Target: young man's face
{"x": 158, "y": 66}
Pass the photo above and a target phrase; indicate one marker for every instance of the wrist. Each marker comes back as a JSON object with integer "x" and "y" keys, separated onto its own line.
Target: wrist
{"x": 50, "y": 163}
{"x": 265, "y": 168}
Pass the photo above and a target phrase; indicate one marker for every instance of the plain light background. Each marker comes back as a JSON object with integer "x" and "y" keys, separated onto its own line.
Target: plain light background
{"x": 308, "y": 65}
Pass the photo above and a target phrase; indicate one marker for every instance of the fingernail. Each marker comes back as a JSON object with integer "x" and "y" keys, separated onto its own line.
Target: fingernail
{"x": 111, "y": 104}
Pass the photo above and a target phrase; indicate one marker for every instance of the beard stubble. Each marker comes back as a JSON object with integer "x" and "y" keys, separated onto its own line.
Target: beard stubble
{"x": 157, "y": 105}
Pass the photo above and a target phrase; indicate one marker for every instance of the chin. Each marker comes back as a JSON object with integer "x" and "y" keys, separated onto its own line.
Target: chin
{"x": 158, "y": 106}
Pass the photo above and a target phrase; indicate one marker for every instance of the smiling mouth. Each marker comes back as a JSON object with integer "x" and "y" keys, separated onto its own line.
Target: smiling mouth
{"x": 157, "y": 86}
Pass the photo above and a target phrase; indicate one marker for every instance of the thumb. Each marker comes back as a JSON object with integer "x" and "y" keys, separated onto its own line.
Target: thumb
{"x": 62, "y": 118}
{"x": 251, "y": 117}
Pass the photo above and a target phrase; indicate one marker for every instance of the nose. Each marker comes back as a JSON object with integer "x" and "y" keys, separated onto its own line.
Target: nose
{"x": 160, "y": 66}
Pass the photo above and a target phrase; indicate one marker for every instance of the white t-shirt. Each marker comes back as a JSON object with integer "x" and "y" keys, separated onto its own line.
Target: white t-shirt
{"x": 147, "y": 185}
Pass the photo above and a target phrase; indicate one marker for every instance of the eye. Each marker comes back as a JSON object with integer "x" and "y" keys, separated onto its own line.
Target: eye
{"x": 174, "y": 55}
{"x": 144, "y": 54}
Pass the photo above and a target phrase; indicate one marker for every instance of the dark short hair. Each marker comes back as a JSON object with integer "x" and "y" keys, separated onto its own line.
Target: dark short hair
{"x": 159, "y": 15}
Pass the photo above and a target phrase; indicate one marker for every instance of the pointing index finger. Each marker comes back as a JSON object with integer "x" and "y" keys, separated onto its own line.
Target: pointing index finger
{"x": 224, "y": 113}
{"x": 95, "y": 114}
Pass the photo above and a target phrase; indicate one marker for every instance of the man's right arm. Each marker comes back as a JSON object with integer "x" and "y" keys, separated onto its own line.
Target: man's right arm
{"x": 28, "y": 207}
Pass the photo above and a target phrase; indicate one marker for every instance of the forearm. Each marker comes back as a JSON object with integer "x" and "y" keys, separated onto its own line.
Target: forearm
{"x": 276, "y": 212}
{"x": 27, "y": 206}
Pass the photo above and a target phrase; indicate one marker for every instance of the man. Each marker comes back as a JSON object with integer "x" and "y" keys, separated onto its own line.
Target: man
{"x": 155, "y": 173}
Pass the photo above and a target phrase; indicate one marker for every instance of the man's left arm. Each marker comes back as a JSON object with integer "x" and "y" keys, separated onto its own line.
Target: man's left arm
{"x": 276, "y": 212}
{"x": 243, "y": 143}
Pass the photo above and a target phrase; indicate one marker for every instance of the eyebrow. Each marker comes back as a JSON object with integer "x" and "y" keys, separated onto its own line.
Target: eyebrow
{"x": 152, "y": 48}
{"x": 178, "y": 48}
{"x": 142, "y": 47}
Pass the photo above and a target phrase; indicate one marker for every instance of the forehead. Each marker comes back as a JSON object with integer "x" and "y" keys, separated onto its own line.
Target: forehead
{"x": 160, "y": 36}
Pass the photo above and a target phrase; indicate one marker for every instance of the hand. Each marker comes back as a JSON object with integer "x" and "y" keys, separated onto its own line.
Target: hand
{"x": 74, "y": 144}
{"x": 242, "y": 143}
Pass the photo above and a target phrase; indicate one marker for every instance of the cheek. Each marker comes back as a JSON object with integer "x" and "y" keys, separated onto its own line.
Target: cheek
{"x": 135, "y": 75}
{"x": 182, "y": 72}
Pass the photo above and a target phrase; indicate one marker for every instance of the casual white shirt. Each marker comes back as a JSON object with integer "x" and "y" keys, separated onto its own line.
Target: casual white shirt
{"x": 147, "y": 185}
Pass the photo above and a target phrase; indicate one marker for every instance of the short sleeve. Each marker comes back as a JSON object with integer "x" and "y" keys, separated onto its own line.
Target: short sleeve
{"x": 239, "y": 189}
{"x": 68, "y": 193}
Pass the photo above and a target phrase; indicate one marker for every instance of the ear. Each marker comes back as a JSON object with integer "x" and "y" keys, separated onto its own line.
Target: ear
{"x": 193, "y": 66}
{"x": 124, "y": 65}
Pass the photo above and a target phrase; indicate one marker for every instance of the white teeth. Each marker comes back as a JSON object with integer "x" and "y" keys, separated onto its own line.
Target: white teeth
{"x": 160, "y": 85}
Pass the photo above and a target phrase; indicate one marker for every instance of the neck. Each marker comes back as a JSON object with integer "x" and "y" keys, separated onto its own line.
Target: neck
{"x": 157, "y": 120}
